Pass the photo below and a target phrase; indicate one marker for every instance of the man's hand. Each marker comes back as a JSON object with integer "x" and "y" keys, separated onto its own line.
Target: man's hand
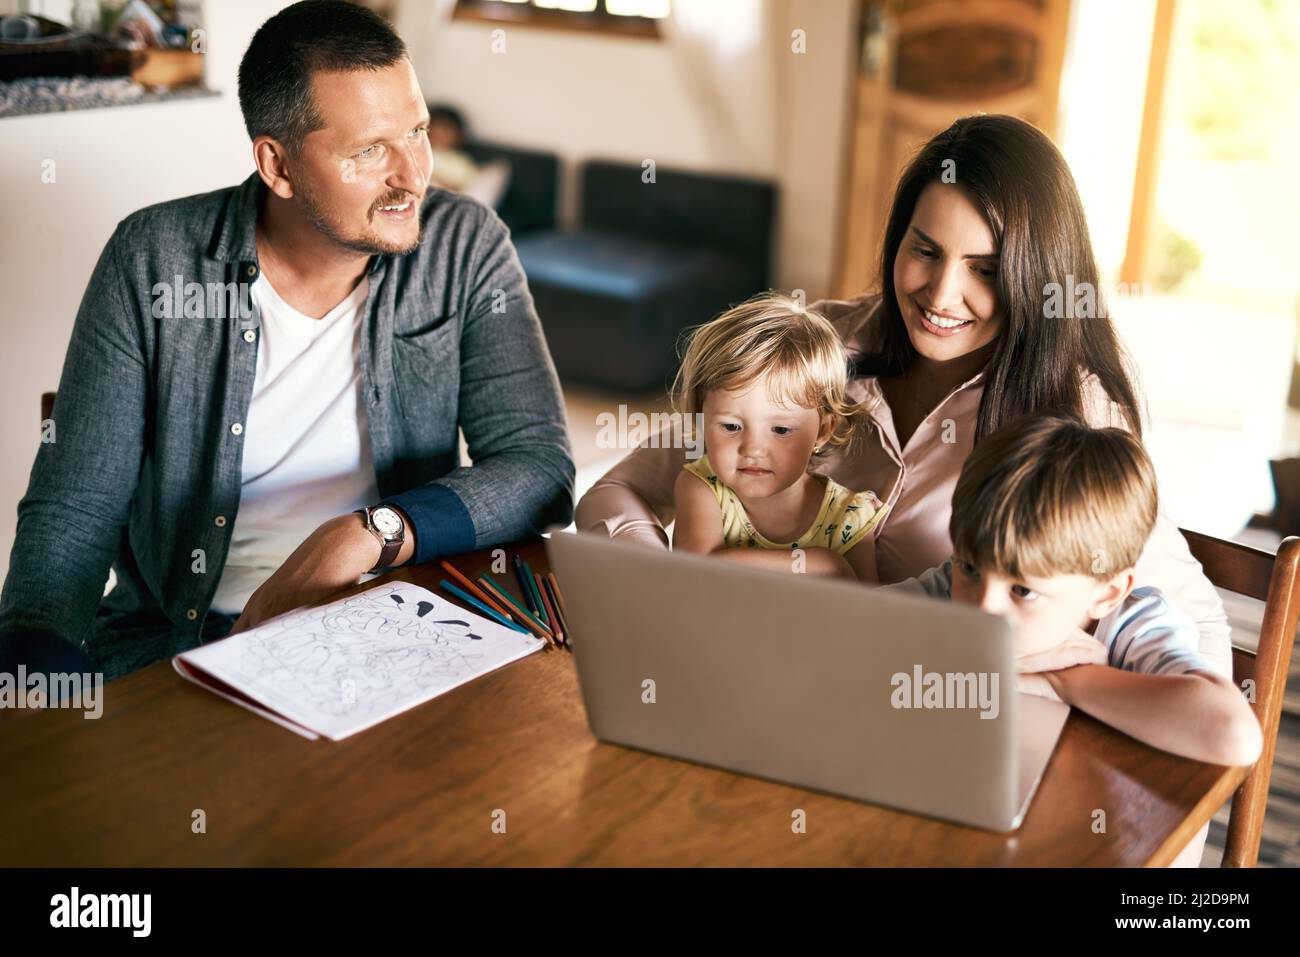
{"x": 1035, "y": 669}
{"x": 332, "y": 558}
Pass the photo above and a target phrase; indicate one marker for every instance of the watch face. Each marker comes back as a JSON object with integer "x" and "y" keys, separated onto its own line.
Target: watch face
{"x": 386, "y": 520}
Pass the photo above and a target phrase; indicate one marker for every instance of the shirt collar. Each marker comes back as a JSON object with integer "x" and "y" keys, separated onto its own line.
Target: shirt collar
{"x": 871, "y": 385}
{"x": 235, "y": 237}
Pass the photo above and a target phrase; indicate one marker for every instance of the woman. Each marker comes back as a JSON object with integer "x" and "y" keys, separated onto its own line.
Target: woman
{"x": 985, "y": 229}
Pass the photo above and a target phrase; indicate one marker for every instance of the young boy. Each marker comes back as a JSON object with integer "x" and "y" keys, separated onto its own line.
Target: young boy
{"x": 1048, "y": 520}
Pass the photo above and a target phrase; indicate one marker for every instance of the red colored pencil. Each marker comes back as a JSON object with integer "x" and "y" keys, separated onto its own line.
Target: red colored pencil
{"x": 525, "y": 619}
{"x": 558, "y": 598}
{"x": 478, "y": 593}
{"x": 550, "y": 608}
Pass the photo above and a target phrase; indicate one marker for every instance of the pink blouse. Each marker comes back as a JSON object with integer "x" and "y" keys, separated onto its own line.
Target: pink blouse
{"x": 634, "y": 500}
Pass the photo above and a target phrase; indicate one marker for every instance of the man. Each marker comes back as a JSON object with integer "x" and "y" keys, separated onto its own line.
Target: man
{"x": 252, "y": 366}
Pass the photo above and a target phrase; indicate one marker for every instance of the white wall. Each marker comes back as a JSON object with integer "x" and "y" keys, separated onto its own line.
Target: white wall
{"x": 621, "y": 98}
{"x": 108, "y": 163}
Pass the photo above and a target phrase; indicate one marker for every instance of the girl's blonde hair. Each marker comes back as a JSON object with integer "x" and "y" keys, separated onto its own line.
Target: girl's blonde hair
{"x": 771, "y": 334}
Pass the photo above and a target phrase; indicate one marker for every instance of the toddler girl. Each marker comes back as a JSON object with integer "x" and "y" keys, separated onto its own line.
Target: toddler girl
{"x": 768, "y": 378}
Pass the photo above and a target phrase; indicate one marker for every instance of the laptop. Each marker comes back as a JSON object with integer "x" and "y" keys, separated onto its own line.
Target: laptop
{"x": 864, "y": 692}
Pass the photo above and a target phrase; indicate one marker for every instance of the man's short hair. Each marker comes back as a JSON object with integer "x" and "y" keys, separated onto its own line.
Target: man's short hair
{"x": 275, "y": 75}
{"x": 1050, "y": 496}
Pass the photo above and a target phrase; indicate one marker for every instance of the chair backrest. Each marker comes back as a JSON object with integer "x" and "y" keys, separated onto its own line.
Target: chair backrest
{"x": 1274, "y": 580}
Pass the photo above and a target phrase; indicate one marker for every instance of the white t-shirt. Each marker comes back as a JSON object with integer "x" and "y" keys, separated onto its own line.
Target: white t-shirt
{"x": 306, "y": 447}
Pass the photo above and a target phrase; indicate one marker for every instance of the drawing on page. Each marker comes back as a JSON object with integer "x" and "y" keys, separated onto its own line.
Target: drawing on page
{"x": 372, "y": 652}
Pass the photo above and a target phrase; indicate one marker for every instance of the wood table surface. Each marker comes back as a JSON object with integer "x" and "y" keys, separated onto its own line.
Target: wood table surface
{"x": 425, "y": 787}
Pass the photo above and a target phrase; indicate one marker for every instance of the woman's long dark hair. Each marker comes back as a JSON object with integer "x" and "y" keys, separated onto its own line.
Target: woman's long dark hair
{"x": 1020, "y": 182}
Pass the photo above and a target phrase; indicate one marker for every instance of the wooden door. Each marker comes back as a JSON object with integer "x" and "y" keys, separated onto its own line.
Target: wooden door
{"x": 922, "y": 64}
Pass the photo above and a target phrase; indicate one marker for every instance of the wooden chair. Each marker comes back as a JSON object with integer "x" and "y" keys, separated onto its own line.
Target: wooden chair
{"x": 1274, "y": 580}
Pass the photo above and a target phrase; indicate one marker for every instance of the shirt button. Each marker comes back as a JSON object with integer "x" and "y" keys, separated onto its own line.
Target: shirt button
{"x": 249, "y": 335}
{"x": 236, "y": 429}
{"x": 252, "y": 271}
{"x": 220, "y": 521}
{"x": 192, "y": 614}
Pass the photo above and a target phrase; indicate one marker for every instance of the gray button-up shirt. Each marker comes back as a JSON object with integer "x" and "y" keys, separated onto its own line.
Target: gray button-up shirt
{"x": 140, "y": 468}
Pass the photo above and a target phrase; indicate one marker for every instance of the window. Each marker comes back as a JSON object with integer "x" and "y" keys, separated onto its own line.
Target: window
{"x": 627, "y": 17}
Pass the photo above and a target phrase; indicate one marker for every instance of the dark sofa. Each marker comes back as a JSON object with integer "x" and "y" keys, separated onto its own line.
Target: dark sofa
{"x": 647, "y": 261}
{"x": 529, "y": 202}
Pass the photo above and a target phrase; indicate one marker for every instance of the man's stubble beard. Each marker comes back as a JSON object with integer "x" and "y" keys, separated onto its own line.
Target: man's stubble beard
{"x": 368, "y": 244}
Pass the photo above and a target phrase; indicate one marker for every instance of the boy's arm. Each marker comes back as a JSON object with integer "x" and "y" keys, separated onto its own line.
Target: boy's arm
{"x": 1198, "y": 715}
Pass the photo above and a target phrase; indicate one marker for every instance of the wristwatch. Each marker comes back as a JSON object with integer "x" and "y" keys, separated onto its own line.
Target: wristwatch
{"x": 386, "y": 525}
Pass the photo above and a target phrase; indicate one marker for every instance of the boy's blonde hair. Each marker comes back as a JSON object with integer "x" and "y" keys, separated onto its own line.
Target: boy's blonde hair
{"x": 775, "y": 335}
{"x": 1050, "y": 496}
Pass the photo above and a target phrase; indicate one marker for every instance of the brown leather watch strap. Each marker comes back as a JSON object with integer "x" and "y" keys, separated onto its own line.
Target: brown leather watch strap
{"x": 389, "y": 550}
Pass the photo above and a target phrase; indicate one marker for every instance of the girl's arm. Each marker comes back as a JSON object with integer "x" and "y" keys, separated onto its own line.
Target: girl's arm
{"x": 1198, "y": 715}
{"x": 817, "y": 560}
{"x": 699, "y": 529}
{"x": 699, "y": 518}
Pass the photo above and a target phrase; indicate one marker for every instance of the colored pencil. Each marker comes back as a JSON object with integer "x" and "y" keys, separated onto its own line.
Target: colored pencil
{"x": 560, "y": 605}
{"x": 530, "y": 575}
{"x": 526, "y": 588}
{"x": 477, "y": 592}
{"x": 523, "y": 617}
{"x": 553, "y": 593}
{"x": 481, "y": 607}
{"x": 546, "y": 600}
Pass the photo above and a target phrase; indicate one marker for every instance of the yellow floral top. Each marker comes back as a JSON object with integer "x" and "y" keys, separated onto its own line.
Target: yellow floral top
{"x": 843, "y": 520}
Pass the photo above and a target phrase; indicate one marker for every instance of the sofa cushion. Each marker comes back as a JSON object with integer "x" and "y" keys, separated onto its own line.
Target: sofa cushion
{"x": 621, "y": 266}
{"x": 613, "y": 307}
{"x": 726, "y": 212}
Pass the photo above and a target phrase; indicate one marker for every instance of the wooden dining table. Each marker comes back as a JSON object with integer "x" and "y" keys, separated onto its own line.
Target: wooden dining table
{"x": 505, "y": 771}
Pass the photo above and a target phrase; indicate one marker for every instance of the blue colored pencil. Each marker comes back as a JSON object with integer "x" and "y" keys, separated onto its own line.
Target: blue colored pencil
{"x": 525, "y": 576}
{"x": 509, "y": 600}
{"x": 482, "y": 607}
